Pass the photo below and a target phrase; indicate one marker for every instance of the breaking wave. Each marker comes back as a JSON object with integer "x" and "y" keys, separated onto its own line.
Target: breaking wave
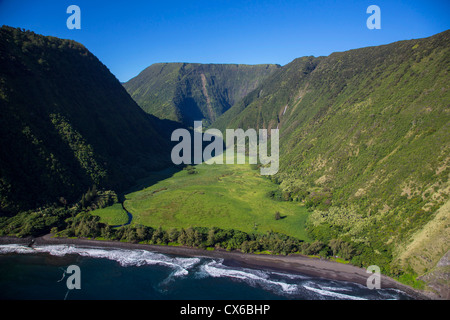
{"x": 288, "y": 285}
{"x": 124, "y": 257}
{"x": 251, "y": 276}
{"x": 331, "y": 292}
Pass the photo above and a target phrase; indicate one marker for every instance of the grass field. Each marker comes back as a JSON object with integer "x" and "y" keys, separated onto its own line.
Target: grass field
{"x": 225, "y": 196}
{"x": 112, "y": 215}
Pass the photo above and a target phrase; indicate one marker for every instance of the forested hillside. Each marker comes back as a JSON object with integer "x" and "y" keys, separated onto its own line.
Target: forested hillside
{"x": 365, "y": 144}
{"x": 364, "y": 147}
{"x": 67, "y": 124}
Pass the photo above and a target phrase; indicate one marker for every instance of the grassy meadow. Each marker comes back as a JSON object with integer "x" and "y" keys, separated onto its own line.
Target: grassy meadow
{"x": 112, "y": 215}
{"x": 227, "y": 196}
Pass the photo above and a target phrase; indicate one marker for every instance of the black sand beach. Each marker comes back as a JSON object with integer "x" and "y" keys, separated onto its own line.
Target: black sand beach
{"x": 292, "y": 263}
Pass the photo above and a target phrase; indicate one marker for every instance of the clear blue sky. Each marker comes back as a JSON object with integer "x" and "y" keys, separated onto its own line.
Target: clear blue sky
{"x": 128, "y": 36}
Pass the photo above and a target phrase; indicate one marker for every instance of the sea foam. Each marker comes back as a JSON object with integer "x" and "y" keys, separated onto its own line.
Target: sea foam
{"x": 284, "y": 284}
{"x": 327, "y": 291}
{"x": 124, "y": 257}
{"x": 253, "y": 277}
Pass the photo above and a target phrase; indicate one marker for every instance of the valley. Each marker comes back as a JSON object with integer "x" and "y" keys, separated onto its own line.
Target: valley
{"x": 217, "y": 196}
{"x": 364, "y": 153}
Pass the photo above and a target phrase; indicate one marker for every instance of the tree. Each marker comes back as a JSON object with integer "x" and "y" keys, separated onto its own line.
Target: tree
{"x": 190, "y": 236}
{"x": 315, "y": 247}
{"x": 106, "y": 232}
{"x": 335, "y": 246}
{"x": 173, "y": 235}
{"x": 131, "y": 234}
{"x": 157, "y": 235}
{"x": 211, "y": 239}
{"x": 142, "y": 232}
{"x": 286, "y": 195}
{"x": 245, "y": 247}
{"x": 182, "y": 238}
{"x": 198, "y": 239}
{"x": 347, "y": 250}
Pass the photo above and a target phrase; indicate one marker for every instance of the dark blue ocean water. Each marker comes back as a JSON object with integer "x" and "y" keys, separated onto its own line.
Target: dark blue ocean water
{"x": 139, "y": 274}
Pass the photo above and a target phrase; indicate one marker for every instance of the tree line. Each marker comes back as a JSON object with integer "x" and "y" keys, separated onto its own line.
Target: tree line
{"x": 76, "y": 221}
{"x": 88, "y": 226}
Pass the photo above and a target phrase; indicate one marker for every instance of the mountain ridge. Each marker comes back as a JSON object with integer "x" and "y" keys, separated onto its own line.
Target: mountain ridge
{"x": 364, "y": 138}
{"x": 364, "y": 141}
{"x": 185, "y": 92}
{"x": 67, "y": 124}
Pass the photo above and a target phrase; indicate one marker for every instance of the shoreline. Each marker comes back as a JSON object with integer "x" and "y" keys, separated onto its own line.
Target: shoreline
{"x": 290, "y": 264}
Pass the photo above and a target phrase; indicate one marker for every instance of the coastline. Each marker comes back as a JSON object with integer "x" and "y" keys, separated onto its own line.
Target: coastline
{"x": 290, "y": 264}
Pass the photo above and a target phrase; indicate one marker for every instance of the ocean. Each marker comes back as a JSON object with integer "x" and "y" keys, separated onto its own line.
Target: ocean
{"x": 113, "y": 274}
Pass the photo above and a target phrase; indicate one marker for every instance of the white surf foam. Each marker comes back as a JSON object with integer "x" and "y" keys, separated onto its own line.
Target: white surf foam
{"x": 338, "y": 288}
{"x": 330, "y": 293}
{"x": 15, "y": 248}
{"x": 217, "y": 269}
{"x": 291, "y": 276}
{"x": 123, "y": 257}
{"x": 274, "y": 281}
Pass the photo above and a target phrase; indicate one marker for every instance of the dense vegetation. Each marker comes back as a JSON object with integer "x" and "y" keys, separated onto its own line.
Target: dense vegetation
{"x": 365, "y": 143}
{"x": 66, "y": 124}
{"x": 190, "y": 91}
{"x": 364, "y": 165}
{"x": 223, "y": 196}
{"x": 87, "y": 225}
{"x": 40, "y": 221}
{"x": 84, "y": 219}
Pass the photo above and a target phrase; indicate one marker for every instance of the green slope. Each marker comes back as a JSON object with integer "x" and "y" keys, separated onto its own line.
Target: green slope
{"x": 66, "y": 124}
{"x": 186, "y": 92}
{"x": 365, "y": 139}
{"x": 223, "y": 196}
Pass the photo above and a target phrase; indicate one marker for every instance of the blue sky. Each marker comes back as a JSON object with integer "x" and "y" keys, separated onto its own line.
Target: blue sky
{"x": 128, "y": 36}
